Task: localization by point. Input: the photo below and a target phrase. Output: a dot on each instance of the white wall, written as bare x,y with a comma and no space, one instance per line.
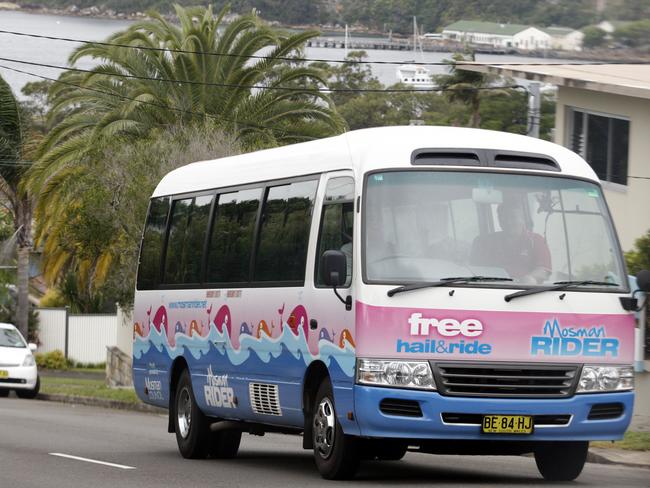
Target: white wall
51,331
88,335
629,203
532,38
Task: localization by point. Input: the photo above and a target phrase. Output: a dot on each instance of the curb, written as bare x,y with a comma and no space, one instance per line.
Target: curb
100,402
598,458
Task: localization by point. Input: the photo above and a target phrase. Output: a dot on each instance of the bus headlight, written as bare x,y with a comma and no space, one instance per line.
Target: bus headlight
606,378
395,373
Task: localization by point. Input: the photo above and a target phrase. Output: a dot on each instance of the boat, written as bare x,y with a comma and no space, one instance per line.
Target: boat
414,75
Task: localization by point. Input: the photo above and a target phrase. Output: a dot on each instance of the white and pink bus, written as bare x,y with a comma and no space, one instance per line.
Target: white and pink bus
442,290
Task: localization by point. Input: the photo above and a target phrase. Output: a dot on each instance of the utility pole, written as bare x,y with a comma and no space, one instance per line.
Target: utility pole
534,109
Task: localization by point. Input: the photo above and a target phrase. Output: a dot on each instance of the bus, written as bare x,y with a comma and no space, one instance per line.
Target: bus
432,289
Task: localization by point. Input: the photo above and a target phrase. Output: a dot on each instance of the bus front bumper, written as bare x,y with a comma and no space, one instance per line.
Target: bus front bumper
445,417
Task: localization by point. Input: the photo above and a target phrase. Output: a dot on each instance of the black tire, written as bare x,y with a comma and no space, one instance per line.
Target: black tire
193,432
387,450
561,461
4,393
224,444
30,394
336,454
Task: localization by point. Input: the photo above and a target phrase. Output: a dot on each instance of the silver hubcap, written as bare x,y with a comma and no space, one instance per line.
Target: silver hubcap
324,428
184,412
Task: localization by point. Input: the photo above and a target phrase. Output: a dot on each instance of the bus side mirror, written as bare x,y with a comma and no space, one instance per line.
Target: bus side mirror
643,280
631,303
334,268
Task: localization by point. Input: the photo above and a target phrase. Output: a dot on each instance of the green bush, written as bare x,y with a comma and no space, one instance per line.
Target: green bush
52,360
81,365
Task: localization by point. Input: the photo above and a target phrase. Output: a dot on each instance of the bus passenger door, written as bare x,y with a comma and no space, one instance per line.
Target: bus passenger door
331,325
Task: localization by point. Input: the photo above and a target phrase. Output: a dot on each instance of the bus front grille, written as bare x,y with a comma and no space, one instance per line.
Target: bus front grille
505,380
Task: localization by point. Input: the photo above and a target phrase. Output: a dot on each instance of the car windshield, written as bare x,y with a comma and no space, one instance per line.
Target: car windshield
423,226
11,338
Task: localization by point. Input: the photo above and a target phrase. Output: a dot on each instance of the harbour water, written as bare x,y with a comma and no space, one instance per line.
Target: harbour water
91,29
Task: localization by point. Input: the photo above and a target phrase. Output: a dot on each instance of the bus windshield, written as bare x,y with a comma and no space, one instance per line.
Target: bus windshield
424,226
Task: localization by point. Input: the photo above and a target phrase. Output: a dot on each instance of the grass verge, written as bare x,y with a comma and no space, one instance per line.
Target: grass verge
633,441
87,388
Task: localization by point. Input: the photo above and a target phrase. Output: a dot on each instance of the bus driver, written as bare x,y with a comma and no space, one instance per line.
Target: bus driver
521,252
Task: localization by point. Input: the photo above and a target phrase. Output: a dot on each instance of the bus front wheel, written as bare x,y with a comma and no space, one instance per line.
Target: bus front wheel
192,428
336,454
561,461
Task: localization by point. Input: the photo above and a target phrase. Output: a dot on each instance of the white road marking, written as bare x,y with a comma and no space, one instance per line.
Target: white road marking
95,461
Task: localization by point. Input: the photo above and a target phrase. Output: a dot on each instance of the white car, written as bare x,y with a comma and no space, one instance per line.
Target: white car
17,364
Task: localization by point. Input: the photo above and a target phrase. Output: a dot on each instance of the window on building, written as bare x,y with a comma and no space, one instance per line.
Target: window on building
337,223
187,230
231,242
152,243
284,232
603,140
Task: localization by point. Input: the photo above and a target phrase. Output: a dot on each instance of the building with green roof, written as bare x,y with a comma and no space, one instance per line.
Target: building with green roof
519,36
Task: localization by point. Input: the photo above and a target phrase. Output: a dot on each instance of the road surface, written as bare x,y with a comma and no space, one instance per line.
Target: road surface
47,444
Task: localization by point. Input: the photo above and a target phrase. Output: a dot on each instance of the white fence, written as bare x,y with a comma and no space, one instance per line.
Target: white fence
84,338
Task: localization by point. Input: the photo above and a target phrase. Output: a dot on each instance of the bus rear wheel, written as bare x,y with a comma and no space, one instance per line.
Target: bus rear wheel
561,461
336,454
192,428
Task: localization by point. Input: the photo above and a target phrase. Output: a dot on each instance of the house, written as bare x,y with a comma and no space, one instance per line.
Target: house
565,38
514,35
497,35
610,26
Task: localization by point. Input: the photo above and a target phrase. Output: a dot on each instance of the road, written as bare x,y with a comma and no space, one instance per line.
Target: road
31,430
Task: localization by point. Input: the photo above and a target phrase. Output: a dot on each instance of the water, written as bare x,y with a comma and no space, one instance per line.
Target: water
58,52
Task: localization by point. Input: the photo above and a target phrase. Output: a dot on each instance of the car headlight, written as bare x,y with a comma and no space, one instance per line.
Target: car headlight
29,360
395,373
606,378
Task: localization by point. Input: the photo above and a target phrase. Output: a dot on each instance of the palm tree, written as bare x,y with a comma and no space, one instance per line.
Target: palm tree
204,75
466,87
14,149
124,94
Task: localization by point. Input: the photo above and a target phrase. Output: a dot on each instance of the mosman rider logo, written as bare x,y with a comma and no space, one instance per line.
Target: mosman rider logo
573,341
217,392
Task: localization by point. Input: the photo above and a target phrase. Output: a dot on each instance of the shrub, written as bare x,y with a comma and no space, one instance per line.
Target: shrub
52,360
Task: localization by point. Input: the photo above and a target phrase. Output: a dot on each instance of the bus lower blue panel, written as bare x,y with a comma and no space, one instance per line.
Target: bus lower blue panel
430,425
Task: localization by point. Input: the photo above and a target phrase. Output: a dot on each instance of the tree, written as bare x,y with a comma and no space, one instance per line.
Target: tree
14,156
634,34
594,37
467,87
639,258
90,232
123,99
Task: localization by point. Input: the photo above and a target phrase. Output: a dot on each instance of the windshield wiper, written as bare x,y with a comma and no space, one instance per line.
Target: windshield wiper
558,285
444,281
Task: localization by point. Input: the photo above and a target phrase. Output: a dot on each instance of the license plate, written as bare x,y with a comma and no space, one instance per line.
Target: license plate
4,373
507,424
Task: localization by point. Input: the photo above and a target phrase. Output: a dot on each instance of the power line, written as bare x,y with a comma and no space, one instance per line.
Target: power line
263,87
305,59
124,97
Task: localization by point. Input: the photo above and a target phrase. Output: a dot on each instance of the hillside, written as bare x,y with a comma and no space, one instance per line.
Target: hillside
396,15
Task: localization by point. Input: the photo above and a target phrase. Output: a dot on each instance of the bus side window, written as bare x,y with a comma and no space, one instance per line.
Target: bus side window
187,230
152,242
284,232
337,223
231,242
